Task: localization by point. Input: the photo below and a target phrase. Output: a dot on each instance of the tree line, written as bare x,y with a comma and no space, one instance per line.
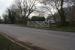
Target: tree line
21,10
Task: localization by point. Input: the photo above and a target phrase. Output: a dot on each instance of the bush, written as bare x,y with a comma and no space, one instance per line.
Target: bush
37,18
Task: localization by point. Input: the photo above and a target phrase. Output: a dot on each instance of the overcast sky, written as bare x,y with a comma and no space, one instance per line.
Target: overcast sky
4,4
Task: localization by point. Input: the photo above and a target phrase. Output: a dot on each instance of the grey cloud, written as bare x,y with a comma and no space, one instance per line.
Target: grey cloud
4,4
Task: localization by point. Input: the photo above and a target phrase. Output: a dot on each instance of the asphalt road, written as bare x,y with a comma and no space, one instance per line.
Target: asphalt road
50,40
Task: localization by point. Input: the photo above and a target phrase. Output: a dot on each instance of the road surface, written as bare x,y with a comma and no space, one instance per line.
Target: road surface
50,40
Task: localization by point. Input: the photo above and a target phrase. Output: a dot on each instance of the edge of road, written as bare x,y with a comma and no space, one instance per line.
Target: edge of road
26,45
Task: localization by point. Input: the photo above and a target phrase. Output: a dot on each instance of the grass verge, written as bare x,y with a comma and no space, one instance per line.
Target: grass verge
55,28
7,44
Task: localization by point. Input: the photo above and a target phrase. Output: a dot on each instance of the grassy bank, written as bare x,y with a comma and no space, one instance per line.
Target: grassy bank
6,44
65,29
55,28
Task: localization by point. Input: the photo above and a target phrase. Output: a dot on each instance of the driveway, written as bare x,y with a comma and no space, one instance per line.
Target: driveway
50,40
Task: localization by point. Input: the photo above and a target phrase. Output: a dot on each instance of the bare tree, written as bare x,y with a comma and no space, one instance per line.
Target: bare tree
26,7
10,16
58,5
61,12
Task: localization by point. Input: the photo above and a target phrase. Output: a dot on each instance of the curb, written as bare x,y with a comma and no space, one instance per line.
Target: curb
14,40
